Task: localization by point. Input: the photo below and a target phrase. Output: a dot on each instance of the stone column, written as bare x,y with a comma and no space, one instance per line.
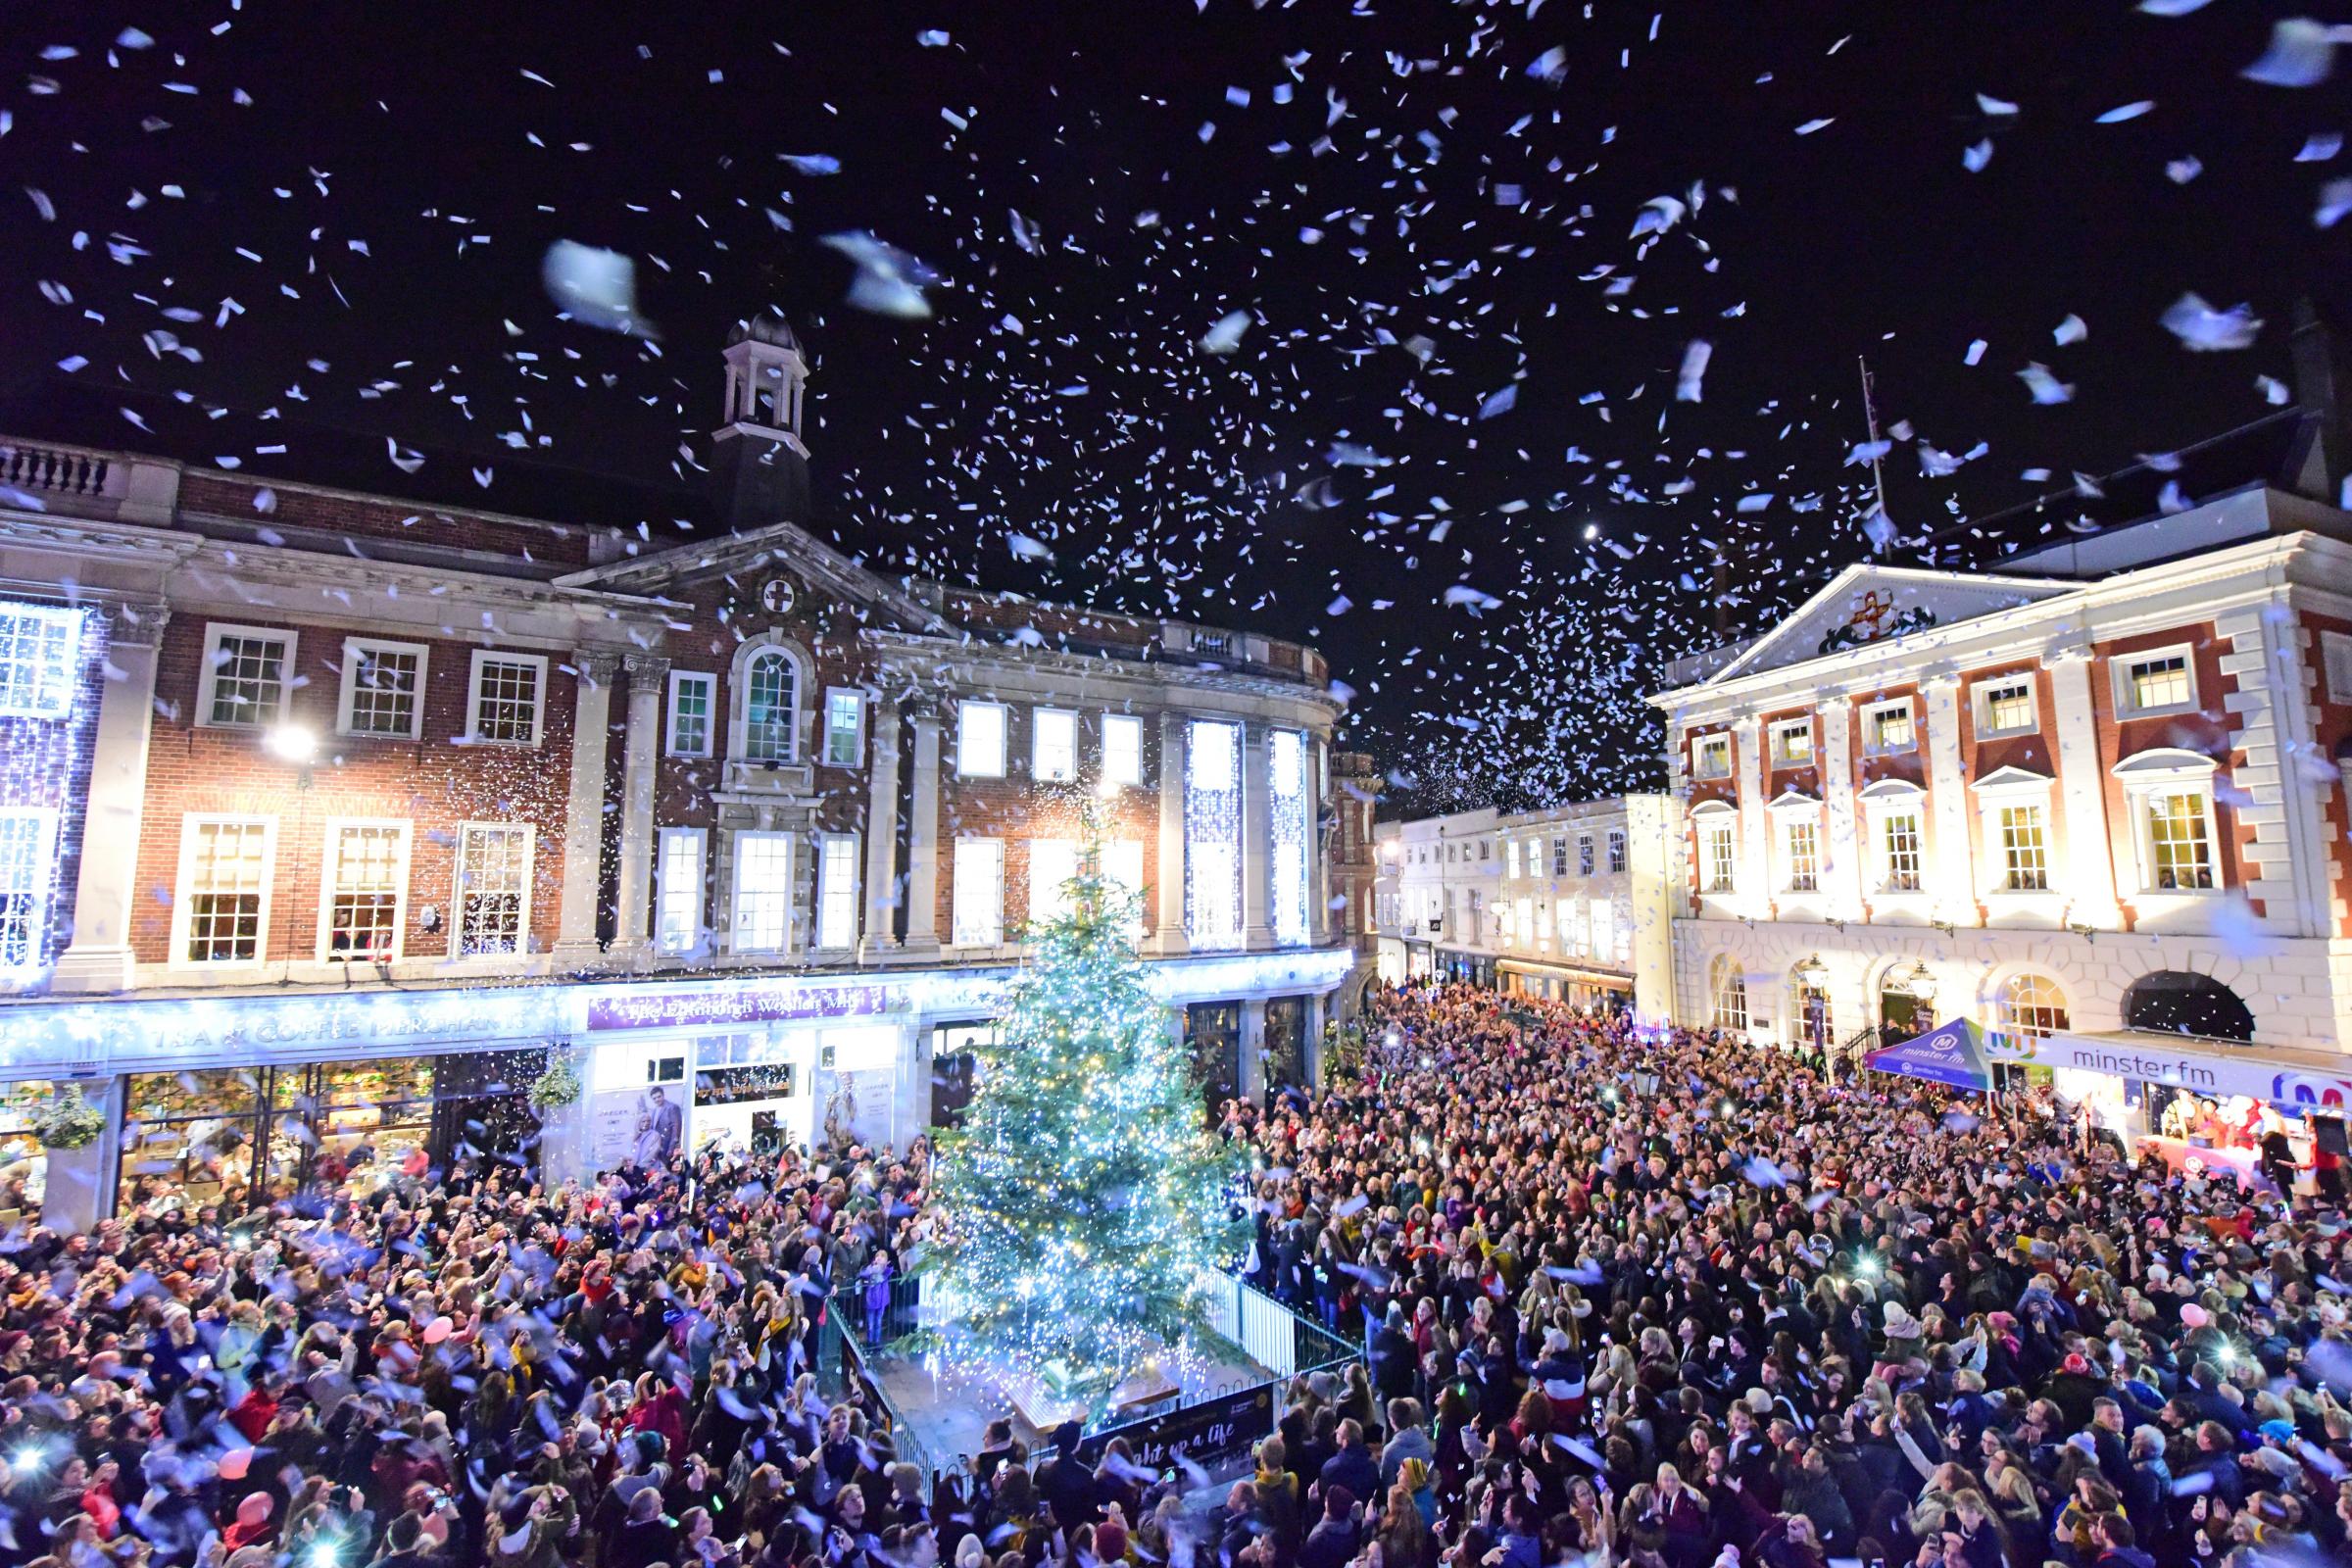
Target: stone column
1169,940
1952,882
106,890
1842,860
922,838
584,813
881,837
1257,834
1754,892
640,745
1319,1008
2089,875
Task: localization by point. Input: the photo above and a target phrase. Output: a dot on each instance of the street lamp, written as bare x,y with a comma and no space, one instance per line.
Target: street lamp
292,742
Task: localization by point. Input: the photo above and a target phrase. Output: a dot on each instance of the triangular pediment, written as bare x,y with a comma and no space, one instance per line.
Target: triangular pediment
1868,603
782,545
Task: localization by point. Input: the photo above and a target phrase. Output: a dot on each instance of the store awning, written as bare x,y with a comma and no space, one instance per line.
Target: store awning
2206,1067
1950,1054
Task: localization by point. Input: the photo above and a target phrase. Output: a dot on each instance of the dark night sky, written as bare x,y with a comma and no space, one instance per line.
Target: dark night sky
1232,488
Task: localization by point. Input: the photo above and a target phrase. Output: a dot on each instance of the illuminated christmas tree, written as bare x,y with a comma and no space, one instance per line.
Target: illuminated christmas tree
1084,1194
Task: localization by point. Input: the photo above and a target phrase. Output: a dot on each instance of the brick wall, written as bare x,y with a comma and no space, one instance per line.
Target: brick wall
433,783
1017,808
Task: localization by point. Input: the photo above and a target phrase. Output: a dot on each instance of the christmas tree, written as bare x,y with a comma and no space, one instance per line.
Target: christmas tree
1083,1194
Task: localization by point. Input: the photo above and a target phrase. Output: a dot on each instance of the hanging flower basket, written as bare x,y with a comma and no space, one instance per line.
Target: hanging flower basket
557,1087
70,1122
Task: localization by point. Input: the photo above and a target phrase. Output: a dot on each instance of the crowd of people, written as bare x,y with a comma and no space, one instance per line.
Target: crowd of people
1675,1302
1665,1302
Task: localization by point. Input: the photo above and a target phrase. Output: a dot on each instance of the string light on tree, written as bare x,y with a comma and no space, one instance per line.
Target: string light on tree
1084,1194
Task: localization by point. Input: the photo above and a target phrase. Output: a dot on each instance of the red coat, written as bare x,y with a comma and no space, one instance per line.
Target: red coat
665,1413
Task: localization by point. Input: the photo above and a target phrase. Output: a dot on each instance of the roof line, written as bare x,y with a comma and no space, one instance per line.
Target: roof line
1953,530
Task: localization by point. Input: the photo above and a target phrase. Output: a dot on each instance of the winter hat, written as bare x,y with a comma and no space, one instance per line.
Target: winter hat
1900,1324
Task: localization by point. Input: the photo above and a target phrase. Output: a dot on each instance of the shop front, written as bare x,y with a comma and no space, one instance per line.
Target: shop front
1466,968
241,1138
1592,991
747,1071
2200,1105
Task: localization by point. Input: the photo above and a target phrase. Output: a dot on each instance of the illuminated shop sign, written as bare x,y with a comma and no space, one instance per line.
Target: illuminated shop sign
674,1009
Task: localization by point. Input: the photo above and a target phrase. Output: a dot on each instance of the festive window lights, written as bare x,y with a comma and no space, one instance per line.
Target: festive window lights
27,855
1286,797
40,660
1212,836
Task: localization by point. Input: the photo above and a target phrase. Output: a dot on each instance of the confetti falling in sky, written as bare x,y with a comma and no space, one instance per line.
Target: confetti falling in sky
1502,350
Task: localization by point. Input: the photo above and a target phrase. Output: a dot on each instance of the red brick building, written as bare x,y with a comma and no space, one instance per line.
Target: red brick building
361,806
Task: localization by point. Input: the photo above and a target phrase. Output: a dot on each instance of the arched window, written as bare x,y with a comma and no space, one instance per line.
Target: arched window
769,697
2028,1007
770,682
1729,988
2176,1001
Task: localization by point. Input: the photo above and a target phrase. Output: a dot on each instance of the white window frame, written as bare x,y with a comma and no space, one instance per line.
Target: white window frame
355,653
1869,728
2012,787
736,892
2164,771
977,919
183,892
330,860
1065,771
968,764
1881,803
1618,856
474,696
829,895
209,678
1706,746
49,686
857,758
739,703
41,863
1787,809
458,890
1130,751
1776,750
670,714
1708,824
2335,665
1979,697
665,937
2120,669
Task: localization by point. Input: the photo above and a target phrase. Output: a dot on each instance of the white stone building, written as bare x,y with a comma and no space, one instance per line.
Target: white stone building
2091,800
1575,905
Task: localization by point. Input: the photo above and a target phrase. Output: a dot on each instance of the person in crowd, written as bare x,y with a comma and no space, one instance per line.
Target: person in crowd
1624,1299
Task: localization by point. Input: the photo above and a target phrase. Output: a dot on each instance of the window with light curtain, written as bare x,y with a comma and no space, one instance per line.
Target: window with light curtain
1291,831
1212,836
